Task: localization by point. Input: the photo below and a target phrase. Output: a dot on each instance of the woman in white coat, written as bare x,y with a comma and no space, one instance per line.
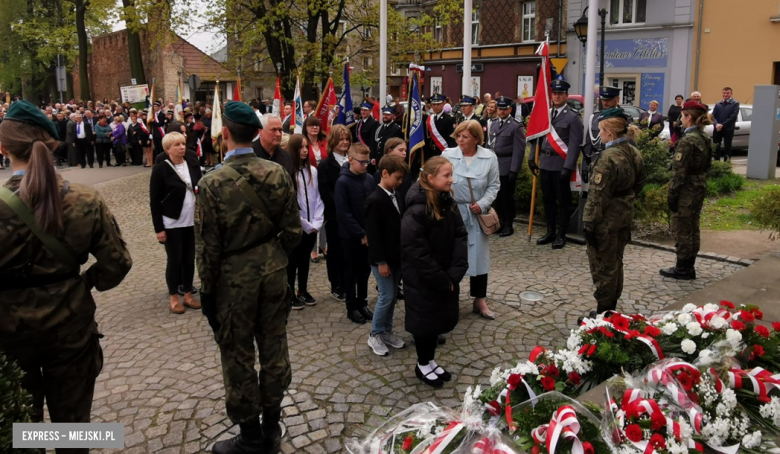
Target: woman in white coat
476,165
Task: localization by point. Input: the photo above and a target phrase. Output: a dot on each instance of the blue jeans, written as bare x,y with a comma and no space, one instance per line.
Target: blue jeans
385,305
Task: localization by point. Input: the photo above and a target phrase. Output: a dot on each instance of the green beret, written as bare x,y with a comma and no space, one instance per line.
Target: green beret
241,114
614,112
25,112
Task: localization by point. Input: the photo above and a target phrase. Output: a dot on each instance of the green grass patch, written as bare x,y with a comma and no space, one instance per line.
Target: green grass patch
732,211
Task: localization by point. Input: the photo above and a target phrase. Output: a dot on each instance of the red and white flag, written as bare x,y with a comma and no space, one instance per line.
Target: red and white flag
277,107
326,107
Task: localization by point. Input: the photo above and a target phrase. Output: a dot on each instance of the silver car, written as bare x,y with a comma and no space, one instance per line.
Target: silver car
741,129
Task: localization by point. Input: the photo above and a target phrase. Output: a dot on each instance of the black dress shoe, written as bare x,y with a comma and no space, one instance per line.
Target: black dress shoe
399,293
441,340
560,242
441,373
356,316
506,232
685,274
429,379
366,313
547,238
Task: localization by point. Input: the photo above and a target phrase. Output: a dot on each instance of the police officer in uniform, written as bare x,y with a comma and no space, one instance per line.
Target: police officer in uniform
467,104
365,129
247,223
386,130
692,157
438,128
592,146
47,231
555,170
617,177
507,140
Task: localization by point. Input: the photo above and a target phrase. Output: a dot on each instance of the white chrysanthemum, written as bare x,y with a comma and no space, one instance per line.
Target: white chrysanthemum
694,329
688,346
729,398
711,307
734,337
575,341
688,308
684,319
669,329
718,322
771,411
705,335
751,440
675,448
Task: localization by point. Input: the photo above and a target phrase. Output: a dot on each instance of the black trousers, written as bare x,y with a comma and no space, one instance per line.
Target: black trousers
557,200
478,286
426,348
85,153
505,203
356,273
136,154
335,260
180,248
120,153
103,152
298,262
157,146
726,136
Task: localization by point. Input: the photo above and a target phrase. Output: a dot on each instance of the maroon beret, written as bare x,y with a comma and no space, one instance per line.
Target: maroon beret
693,105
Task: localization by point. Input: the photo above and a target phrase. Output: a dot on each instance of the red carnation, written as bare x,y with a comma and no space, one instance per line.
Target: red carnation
619,322
552,370
514,380
747,316
494,408
686,381
727,304
632,334
634,433
407,446
592,349
658,421
548,383
758,350
583,349
737,325
652,331
658,442
575,378
535,450
776,326
758,314
587,448
606,331
762,331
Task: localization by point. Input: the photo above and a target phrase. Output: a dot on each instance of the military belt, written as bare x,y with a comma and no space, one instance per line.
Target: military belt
18,282
271,236
550,153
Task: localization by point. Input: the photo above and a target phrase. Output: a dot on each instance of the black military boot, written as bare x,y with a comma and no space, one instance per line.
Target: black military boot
272,433
249,441
560,240
506,231
684,270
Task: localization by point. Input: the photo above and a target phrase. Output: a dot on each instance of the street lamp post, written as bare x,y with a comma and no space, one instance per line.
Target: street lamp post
581,30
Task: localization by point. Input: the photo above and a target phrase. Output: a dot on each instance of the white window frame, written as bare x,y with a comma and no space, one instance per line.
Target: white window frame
621,13
438,32
530,28
367,62
475,26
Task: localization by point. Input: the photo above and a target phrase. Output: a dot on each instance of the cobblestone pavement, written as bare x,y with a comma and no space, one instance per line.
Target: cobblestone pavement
162,377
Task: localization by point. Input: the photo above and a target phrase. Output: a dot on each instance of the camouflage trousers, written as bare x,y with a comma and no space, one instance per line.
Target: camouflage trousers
244,323
606,266
63,371
687,234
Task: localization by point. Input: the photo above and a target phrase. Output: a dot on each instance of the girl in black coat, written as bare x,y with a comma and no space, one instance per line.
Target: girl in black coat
434,253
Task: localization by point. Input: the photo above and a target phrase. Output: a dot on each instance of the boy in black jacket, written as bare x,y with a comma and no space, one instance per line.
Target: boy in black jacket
352,189
383,229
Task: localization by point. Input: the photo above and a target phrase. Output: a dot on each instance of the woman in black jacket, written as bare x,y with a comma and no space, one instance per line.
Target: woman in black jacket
675,127
434,254
172,190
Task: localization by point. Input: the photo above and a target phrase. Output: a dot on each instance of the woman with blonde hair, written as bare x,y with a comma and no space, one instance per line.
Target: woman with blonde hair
617,176
475,183
434,253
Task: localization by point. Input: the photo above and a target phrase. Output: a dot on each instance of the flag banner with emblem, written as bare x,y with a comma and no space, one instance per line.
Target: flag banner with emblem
415,132
325,108
237,90
539,121
277,107
346,112
178,108
216,118
297,108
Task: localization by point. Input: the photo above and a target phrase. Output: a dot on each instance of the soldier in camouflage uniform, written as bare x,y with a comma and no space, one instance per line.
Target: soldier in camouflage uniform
247,223
692,157
617,176
47,314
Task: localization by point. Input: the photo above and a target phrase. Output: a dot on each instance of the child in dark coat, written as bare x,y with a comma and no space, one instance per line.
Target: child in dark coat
434,254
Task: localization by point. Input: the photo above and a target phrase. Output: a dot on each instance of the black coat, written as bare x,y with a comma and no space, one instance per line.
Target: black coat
350,195
280,157
167,191
327,174
383,134
367,131
446,126
383,228
434,255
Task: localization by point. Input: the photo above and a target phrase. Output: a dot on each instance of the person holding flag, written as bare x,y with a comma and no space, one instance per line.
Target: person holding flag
414,123
439,127
558,157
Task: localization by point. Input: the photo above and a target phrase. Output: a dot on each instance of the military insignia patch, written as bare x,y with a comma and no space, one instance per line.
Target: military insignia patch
597,178
678,156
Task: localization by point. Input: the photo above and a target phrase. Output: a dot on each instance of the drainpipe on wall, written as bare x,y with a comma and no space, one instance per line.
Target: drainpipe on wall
698,47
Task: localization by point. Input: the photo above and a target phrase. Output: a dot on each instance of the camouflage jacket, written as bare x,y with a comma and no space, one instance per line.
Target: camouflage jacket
617,176
236,242
692,159
65,306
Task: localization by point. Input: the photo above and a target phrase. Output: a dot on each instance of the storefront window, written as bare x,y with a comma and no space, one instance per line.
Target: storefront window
627,12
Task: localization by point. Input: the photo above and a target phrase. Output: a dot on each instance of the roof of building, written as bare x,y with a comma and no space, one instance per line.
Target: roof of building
198,62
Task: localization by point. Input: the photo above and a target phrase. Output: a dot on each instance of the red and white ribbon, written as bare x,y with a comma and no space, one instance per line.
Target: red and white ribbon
440,142
564,424
704,316
442,441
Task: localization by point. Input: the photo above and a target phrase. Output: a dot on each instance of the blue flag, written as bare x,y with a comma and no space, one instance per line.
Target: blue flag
346,114
416,129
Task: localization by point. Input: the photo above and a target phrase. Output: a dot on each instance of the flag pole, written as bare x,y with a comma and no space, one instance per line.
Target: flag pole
533,194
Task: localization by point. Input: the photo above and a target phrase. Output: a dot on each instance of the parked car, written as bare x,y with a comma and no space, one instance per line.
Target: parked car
634,111
741,129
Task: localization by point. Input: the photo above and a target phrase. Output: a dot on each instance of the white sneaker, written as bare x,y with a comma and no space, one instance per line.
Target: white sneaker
376,344
391,340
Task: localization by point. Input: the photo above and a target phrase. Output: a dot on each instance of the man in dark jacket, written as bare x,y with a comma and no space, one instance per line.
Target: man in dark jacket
365,129
439,128
385,131
267,146
725,115
327,174
507,140
352,189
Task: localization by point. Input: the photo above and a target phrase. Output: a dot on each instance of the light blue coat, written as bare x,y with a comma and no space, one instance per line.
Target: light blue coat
483,173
